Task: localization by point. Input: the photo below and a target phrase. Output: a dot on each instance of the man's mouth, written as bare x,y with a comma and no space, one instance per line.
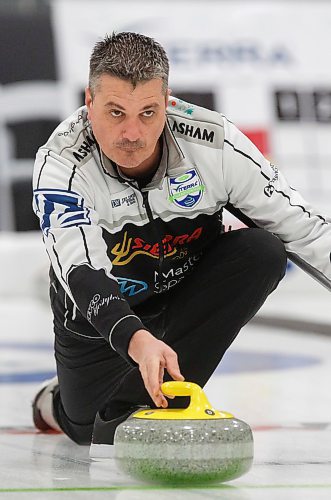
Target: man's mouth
129,149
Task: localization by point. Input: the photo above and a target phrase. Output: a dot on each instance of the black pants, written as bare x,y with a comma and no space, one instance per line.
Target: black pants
199,318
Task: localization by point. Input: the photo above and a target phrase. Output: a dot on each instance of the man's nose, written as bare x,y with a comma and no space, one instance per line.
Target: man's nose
131,130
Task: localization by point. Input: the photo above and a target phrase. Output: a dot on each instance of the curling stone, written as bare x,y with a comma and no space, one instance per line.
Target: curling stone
197,444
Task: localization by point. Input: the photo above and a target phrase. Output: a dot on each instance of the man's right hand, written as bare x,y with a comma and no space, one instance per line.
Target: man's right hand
154,356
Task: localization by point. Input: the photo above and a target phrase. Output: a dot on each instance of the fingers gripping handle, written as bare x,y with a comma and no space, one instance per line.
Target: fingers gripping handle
198,409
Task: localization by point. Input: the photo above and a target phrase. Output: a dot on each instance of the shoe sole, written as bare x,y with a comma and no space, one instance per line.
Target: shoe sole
102,451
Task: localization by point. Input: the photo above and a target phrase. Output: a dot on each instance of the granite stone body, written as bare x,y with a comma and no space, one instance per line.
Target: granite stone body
178,451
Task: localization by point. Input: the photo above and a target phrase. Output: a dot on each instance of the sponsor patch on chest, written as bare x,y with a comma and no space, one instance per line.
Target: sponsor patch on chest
125,199
186,190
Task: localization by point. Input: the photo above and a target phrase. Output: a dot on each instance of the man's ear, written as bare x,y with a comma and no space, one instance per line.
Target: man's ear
88,98
168,93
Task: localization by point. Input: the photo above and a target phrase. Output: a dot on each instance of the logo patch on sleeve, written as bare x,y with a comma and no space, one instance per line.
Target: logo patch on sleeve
131,287
58,208
186,190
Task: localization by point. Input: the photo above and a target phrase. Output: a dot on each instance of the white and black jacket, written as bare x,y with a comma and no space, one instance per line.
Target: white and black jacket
112,245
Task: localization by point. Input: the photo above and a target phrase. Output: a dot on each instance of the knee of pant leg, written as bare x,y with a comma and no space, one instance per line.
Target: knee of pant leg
268,252
80,434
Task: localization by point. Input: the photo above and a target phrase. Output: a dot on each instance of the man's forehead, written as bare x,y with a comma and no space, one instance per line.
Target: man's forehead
118,87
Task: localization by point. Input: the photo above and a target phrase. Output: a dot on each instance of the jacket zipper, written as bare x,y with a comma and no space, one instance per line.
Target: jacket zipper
158,236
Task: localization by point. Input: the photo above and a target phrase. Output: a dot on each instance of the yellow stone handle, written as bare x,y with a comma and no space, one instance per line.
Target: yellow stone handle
198,403
174,388
199,407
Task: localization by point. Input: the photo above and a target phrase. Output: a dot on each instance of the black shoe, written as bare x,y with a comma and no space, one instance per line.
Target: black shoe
104,432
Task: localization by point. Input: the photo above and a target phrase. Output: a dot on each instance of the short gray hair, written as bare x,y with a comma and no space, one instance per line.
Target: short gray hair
131,57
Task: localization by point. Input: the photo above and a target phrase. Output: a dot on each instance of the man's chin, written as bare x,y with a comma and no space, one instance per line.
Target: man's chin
129,161
126,164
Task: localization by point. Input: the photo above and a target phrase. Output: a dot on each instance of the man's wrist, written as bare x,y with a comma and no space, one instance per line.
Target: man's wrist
137,339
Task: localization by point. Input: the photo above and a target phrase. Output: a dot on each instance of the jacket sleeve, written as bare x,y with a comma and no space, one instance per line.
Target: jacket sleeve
259,190
63,201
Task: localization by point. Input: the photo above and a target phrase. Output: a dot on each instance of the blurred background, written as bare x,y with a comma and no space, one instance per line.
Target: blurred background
264,64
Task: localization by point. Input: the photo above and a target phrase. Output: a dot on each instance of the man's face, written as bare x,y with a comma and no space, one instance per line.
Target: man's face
127,122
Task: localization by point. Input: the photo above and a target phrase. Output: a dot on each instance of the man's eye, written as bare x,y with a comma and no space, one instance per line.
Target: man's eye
116,113
148,113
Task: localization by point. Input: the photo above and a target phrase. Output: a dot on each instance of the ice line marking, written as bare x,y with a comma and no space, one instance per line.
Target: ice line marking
156,488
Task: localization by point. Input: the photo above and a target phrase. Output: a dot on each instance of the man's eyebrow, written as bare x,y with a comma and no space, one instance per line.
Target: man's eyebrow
152,105
111,104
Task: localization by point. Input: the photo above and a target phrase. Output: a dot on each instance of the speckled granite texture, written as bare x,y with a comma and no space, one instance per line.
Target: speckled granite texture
180,451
